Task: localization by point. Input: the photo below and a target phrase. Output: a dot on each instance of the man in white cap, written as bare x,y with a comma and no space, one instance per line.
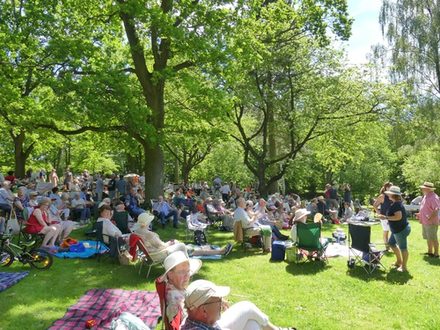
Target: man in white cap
204,304
428,217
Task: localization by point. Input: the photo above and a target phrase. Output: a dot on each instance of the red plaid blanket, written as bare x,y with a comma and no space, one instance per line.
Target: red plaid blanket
103,305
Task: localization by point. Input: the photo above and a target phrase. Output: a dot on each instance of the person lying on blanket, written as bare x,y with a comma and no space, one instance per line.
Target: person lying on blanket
159,249
201,302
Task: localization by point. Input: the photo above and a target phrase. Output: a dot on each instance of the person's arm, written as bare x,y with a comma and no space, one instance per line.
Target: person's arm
377,202
397,216
111,230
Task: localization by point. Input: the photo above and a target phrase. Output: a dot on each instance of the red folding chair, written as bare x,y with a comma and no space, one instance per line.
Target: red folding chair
146,258
161,288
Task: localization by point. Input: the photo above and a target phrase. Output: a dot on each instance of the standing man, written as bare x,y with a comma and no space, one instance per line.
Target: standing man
428,217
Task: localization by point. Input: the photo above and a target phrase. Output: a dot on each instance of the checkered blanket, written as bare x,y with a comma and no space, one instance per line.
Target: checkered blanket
9,279
104,305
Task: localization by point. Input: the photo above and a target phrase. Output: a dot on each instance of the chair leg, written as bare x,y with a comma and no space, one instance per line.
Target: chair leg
149,269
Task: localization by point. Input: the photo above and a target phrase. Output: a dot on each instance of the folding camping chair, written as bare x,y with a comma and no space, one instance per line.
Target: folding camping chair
146,258
198,229
359,241
243,236
161,288
309,239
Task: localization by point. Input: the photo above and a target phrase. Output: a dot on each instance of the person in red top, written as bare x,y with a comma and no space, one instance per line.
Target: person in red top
10,177
39,223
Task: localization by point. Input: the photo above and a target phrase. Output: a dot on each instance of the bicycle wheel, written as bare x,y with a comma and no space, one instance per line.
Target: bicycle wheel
6,258
40,259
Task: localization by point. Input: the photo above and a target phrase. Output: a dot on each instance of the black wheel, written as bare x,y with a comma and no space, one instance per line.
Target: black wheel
6,258
40,259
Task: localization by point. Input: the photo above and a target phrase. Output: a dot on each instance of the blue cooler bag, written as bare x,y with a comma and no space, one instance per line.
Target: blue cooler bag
278,251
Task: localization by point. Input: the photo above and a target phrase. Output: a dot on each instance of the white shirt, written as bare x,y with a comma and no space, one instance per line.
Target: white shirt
109,229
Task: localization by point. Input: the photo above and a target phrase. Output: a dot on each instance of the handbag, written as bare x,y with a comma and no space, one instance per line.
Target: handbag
124,258
12,225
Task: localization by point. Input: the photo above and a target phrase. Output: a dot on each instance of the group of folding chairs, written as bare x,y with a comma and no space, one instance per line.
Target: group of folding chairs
310,246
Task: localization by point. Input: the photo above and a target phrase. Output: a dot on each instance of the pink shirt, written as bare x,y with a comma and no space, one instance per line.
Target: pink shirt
429,204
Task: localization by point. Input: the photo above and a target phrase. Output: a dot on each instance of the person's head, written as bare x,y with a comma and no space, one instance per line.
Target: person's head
203,301
44,203
262,202
427,187
241,202
105,211
320,199
301,215
249,204
119,206
385,187
394,193
21,191
107,201
144,219
33,195
10,172
55,190
179,268
160,198
6,184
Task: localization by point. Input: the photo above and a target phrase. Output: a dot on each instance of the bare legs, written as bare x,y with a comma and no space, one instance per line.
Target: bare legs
50,235
433,247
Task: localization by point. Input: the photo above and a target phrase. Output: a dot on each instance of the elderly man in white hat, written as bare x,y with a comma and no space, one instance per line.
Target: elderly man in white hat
428,217
204,304
178,270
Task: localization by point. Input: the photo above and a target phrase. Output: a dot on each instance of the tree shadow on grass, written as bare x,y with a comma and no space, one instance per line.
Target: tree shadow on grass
306,268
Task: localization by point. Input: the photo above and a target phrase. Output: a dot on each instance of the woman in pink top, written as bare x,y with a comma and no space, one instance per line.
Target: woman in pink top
428,217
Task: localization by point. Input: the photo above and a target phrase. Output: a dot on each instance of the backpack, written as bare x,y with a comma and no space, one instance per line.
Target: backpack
199,237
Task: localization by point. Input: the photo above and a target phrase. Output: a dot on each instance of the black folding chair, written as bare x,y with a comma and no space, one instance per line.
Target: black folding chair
111,243
359,240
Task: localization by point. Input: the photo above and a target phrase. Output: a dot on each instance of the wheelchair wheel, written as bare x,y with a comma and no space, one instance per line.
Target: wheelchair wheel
40,259
6,258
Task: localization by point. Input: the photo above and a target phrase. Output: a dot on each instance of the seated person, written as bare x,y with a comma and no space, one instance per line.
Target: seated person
300,216
348,211
204,303
159,250
21,202
39,223
178,270
224,214
66,226
33,201
121,218
112,236
164,211
264,219
6,197
250,225
321,206
79,206
132,203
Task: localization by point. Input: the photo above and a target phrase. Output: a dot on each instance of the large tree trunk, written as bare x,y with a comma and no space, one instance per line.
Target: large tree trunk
21,153
154,164
272,187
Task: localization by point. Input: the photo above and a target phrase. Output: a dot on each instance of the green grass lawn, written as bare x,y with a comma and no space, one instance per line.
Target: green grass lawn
308,296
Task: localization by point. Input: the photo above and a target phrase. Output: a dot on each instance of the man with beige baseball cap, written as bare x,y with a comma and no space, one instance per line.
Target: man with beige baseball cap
204,304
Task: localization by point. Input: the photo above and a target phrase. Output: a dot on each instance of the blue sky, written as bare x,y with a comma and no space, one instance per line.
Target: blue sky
365,30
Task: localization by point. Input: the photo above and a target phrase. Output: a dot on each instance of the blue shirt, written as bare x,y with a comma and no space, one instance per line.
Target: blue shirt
195,325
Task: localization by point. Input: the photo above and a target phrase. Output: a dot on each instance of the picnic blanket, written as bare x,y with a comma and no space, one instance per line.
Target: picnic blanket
9,279
89,251
103,305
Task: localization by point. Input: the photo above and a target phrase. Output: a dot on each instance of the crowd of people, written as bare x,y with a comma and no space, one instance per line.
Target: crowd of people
54,210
